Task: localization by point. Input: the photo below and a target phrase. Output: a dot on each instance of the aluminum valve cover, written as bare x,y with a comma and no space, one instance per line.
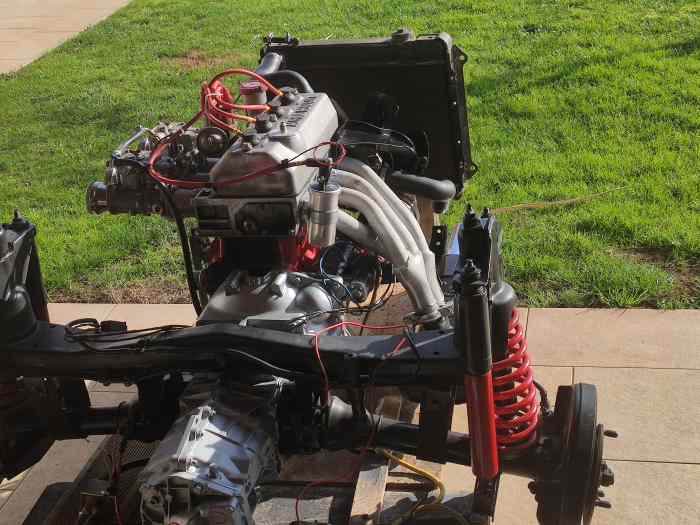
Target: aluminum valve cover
307,119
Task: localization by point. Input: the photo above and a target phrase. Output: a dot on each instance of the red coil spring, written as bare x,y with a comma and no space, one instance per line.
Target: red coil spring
515,394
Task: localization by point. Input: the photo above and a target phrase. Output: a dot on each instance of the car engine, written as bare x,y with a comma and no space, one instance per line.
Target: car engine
306,189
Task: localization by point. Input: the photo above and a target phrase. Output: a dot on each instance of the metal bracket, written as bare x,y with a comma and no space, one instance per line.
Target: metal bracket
435,422
438,240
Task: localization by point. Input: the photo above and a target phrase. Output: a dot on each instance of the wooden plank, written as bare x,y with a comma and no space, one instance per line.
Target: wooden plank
374,471
369,491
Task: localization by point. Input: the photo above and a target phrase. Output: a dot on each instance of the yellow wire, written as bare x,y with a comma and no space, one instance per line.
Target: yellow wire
437,505
432,477
441,507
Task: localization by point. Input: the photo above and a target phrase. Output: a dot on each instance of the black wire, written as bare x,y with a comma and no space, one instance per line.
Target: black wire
74,330
279,371
544,400
186,248
355,310
377,282
381,130
414,348
385,297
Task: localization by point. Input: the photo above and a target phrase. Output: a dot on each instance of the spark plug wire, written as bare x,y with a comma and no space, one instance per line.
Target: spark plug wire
212,94
213,98
246,72
343,324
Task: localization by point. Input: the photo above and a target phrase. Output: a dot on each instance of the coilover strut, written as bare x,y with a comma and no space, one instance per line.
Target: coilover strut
517,406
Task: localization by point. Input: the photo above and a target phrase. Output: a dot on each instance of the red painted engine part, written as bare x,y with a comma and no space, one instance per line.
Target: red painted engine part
517,406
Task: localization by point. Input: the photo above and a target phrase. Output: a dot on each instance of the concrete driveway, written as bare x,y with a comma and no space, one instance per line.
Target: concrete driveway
30,28
645,363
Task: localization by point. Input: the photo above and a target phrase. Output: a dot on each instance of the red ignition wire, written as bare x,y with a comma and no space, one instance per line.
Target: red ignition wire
333,163
216,91
248,73
317,351
158,151
248,107
213,97
352,473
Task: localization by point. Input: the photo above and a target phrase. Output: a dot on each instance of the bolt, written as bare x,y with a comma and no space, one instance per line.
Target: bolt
610,433
607,476
375,162
471,220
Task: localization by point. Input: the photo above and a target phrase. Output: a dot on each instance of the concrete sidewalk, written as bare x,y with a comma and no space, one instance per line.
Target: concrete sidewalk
30,28
645,363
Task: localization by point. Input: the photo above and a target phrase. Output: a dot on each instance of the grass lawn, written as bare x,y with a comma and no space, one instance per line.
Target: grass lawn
567,99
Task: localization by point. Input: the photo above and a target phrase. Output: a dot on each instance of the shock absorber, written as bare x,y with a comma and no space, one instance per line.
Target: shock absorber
517,406
473,340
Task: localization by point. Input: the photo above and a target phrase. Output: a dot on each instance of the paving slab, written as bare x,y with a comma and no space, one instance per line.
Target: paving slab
644,494
57,18
4,496
30,28
106,399
10,64
28,45
62,463
655,412
63,313
623,338
114,388
652,493
12,484
148,315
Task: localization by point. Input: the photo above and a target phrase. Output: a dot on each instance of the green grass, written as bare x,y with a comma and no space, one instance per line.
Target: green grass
566,99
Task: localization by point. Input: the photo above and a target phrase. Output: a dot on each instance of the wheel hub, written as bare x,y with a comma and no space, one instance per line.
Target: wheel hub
568,491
